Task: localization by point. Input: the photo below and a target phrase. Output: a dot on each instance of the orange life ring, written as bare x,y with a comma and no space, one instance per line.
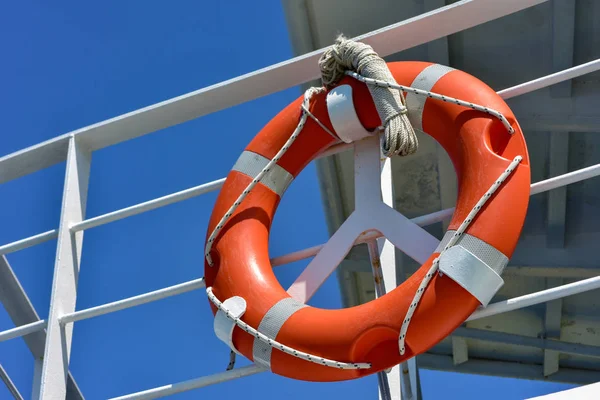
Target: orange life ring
480,148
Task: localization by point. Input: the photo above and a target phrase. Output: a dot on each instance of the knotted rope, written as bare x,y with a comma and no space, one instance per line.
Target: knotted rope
399,136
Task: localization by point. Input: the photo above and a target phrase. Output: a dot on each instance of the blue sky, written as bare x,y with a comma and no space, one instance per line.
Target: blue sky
69,65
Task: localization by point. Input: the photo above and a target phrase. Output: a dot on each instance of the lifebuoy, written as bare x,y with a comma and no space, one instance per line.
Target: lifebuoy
481,149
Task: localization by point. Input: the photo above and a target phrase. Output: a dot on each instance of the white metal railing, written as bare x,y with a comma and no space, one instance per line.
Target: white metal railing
22,330
394,38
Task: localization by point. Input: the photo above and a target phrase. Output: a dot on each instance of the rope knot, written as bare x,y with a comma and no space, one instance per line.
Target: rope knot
399,136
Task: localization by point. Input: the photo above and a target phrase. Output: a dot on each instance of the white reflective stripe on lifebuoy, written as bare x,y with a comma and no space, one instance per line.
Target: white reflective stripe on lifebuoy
482,250
223,325
251,164
473,264
270,326
424,81
470,272
342,114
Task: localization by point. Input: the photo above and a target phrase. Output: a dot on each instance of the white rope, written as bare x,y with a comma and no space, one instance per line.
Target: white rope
487,110
279,346
461,229
305,114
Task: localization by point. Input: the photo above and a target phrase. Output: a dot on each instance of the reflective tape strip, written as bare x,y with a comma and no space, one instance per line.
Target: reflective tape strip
270,326
424,81
342,115
470,272
223,325
250,164
482,250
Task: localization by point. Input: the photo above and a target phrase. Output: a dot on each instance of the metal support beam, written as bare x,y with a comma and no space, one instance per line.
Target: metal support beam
505,368
66,273
563,34
12,388
557,198
460,350
437,50
38,364
520,340
19,307
27,322
382,254
552,324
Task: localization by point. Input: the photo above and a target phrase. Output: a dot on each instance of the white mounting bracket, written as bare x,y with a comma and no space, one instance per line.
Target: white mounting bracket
223,326
370,212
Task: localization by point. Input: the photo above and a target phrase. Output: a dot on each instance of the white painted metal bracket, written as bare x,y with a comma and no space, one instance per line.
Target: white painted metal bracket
224,326
343,115
370,214
471,273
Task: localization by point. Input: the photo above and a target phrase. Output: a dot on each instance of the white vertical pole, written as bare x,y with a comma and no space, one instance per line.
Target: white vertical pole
66,272
387,254
37,377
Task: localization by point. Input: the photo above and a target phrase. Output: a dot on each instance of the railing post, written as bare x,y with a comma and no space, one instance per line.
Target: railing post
66,273
38,363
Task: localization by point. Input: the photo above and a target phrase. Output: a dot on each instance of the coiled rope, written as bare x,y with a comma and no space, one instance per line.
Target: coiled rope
345,55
